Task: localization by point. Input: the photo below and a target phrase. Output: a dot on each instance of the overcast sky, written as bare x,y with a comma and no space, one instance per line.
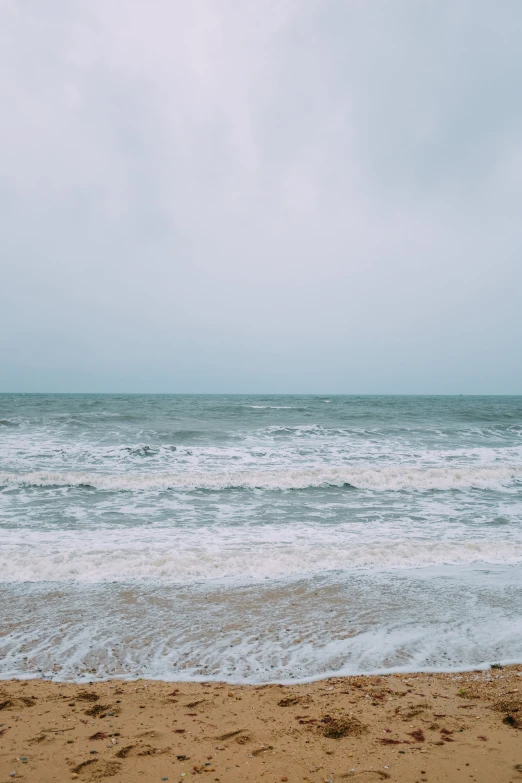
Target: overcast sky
275,195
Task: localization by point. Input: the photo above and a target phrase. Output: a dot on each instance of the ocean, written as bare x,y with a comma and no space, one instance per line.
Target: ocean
258,538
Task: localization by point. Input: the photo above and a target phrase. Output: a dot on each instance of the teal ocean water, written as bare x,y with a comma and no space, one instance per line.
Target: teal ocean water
258,538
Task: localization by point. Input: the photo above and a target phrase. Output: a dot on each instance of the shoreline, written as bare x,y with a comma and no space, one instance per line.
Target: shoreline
415,726
177,677
502,663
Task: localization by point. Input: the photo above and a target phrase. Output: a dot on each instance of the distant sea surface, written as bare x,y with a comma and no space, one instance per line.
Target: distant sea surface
258,538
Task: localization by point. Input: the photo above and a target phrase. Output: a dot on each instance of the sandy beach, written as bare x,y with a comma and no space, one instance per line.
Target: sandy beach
415,727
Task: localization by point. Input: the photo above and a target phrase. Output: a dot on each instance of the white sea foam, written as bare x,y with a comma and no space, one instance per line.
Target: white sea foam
290,631
250,553
403,477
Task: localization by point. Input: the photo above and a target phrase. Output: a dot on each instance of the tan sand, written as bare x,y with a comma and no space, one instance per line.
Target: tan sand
417,727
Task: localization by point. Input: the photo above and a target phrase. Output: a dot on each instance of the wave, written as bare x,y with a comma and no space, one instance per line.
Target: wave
146,450
8,423
193,436
278,407
391,479
302,429
182,556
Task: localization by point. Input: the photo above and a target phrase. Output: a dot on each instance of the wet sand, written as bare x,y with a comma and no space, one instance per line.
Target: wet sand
416,727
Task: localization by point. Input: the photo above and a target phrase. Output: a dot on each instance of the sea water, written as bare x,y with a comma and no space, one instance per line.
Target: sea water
258,538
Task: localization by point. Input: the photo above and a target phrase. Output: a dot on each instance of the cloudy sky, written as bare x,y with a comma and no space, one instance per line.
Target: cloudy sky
286,196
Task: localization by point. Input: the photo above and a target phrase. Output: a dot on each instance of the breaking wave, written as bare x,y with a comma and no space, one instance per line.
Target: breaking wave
181,556
391,479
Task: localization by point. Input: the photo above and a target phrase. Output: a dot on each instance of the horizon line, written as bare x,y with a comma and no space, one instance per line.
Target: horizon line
266,394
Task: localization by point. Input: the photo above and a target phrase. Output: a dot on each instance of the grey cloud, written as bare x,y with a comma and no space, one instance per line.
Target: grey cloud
286,196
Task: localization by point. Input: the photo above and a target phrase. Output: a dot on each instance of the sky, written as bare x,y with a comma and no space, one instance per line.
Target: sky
277,196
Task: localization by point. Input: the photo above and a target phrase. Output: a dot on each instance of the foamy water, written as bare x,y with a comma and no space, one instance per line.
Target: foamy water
391,479
258,538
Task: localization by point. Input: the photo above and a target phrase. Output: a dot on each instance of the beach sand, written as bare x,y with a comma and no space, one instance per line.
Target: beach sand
415,727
